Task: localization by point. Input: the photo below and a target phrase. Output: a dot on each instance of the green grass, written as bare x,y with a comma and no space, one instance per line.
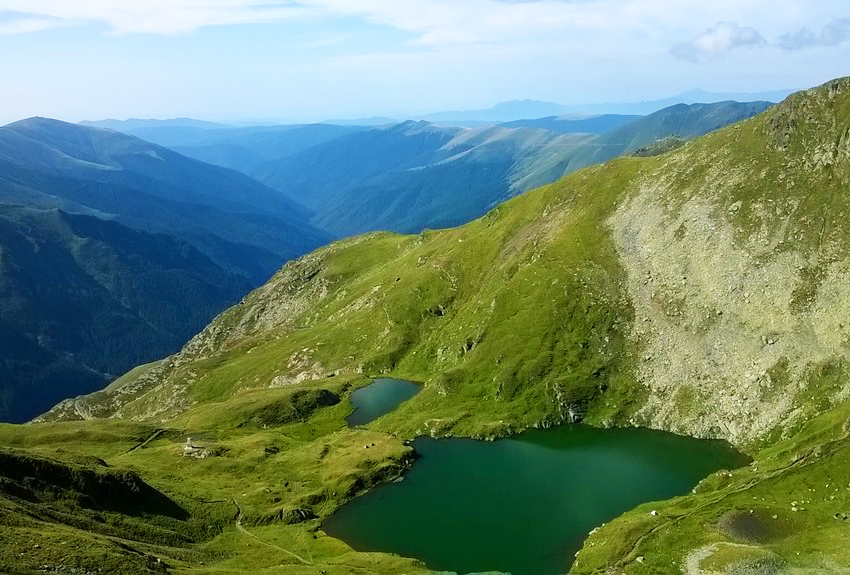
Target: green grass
312,462
807,471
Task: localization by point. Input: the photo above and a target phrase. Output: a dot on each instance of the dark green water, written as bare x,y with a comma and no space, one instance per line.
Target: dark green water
523,505
378,398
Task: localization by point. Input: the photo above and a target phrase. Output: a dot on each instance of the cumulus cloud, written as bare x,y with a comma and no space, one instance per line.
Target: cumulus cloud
717,41
832,34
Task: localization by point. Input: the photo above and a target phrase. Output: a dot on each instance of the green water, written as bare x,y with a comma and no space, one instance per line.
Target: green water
522,505
378,398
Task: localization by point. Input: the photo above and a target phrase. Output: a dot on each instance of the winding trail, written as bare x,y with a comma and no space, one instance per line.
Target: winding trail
244,531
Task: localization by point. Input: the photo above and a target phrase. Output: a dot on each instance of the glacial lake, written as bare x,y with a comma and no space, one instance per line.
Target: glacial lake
522,505
379,398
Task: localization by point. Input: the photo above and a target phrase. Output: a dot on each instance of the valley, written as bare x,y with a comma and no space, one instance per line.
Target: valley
409,176
492,287
63,338
699,291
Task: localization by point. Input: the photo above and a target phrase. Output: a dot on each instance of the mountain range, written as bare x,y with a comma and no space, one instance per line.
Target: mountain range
701,291
115,251
137,195
416,175
238,222
534,109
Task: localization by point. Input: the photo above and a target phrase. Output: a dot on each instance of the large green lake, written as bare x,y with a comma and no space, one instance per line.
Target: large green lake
522,505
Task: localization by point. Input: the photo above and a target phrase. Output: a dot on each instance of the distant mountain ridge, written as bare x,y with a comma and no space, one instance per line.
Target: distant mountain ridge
47,163
501,112
242,149
690,97
136,123
417,175
113,251
600,124
516,110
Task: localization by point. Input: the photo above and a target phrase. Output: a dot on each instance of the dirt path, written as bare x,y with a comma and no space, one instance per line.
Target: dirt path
150,438
244,531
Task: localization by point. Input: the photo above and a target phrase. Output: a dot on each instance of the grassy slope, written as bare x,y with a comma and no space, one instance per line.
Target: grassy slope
275,453
442,307
526,317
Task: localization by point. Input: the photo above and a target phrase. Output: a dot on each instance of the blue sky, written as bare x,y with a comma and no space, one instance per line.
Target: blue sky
316,59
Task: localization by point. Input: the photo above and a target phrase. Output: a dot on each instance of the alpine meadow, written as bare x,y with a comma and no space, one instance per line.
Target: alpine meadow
523,337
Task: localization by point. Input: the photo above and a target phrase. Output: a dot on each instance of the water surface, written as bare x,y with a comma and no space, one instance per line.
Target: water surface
523,505
379,398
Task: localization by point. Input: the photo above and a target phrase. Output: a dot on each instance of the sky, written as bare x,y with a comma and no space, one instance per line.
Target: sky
309,60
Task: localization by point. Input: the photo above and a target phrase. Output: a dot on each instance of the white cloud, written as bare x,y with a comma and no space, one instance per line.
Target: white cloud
166,17
16,23
832,34
717,41
432,21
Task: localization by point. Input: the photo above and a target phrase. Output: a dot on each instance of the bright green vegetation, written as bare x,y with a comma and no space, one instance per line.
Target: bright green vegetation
703,291
121,497
523,505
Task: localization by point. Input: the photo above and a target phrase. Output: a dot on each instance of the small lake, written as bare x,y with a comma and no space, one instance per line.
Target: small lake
524,504
379,398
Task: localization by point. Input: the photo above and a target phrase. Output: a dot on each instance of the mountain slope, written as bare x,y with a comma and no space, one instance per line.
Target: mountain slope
702,291
243,149
172,242
413,176
592,315
566,125
681,121
236,221
83,300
